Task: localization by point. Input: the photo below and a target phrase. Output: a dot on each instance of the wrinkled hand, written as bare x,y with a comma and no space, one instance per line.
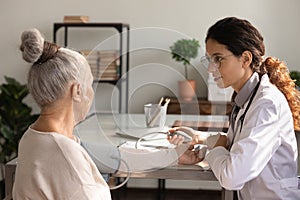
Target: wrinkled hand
188,156
197,136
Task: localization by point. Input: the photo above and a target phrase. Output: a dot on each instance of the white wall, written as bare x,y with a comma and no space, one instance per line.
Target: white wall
154,73
169,19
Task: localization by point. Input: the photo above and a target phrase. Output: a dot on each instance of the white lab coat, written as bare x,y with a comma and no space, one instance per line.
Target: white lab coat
262,162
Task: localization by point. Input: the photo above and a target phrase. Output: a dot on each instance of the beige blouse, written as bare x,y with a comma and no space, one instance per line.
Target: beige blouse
52,166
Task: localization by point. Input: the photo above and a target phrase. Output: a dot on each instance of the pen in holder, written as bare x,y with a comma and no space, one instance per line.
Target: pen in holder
156,114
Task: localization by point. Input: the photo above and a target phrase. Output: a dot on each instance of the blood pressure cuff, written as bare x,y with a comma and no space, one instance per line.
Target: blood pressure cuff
105,156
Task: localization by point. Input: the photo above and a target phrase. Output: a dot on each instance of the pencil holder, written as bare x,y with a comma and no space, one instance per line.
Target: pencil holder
155,115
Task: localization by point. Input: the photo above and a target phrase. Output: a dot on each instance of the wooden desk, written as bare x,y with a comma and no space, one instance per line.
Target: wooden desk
204,125
198,107
103,126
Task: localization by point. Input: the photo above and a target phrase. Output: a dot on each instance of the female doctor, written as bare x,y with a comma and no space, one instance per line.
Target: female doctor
259,157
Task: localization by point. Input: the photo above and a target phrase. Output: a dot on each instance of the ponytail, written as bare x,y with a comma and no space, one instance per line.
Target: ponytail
280,77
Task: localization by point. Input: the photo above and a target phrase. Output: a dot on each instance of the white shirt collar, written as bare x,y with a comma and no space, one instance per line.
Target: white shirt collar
246,91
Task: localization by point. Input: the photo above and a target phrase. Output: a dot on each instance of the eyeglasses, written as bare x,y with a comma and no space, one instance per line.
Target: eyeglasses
215,60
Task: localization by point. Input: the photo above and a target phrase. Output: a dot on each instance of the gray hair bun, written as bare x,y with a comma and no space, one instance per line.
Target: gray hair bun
35,49
32,45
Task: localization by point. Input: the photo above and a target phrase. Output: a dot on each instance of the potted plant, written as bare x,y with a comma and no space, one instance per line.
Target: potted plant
15,117
295,75
183,50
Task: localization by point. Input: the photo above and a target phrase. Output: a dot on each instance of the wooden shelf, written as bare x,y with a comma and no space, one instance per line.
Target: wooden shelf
198,107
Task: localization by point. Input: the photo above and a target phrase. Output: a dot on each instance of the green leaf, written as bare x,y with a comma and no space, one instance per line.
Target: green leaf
15,117
184,50
11,81
295,75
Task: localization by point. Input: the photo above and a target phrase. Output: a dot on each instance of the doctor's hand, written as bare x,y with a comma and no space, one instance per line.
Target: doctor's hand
216,140
176,138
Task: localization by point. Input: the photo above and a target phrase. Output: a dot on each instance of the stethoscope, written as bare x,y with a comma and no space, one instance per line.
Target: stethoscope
242,117
166,133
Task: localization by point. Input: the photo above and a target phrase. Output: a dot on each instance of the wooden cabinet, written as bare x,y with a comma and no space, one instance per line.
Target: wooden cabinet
198,106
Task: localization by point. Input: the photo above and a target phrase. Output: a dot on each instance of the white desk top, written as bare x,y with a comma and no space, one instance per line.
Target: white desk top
99,127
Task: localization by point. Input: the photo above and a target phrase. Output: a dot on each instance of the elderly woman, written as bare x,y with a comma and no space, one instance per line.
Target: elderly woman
51,162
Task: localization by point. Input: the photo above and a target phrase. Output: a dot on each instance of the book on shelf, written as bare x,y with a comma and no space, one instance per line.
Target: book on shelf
100,57
108,52
106,71
101,67
88,53
106,78
104,74
103,55
76,19
104,64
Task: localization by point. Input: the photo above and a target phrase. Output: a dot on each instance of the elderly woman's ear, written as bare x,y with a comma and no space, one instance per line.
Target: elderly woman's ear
76,92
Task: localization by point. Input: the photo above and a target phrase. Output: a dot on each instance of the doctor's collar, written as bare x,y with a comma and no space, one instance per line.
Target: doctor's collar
246,91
